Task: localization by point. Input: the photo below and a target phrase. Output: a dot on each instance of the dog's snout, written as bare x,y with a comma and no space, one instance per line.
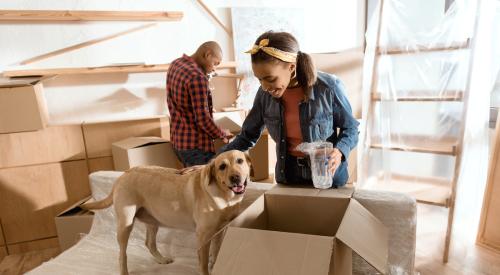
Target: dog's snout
235,178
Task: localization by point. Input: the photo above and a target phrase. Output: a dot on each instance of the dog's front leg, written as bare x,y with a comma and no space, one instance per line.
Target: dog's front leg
203,252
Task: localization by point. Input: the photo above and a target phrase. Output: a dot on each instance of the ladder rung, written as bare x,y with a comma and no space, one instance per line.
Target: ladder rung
418,144
421,96
420,49
429,190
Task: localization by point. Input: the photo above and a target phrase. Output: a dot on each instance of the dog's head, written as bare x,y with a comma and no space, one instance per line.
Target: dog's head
230,171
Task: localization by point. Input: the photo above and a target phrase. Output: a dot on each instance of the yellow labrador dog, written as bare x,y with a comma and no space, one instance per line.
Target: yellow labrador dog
203,201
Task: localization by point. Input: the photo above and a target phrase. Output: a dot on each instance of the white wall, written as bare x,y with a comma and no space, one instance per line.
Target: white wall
74,98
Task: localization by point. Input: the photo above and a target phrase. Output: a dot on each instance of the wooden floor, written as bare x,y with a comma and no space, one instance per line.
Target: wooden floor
465,257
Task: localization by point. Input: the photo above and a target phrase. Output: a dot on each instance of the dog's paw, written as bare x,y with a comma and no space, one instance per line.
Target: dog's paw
163,260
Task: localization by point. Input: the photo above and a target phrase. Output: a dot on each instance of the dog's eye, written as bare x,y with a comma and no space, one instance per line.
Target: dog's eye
239,161
222,166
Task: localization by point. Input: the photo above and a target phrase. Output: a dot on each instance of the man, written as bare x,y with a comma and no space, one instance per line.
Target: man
192,128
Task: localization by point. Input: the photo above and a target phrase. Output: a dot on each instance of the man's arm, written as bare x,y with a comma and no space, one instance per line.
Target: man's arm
199,93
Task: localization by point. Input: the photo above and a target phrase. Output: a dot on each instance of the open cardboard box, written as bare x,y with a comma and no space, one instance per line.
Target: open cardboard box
72,223
259,154
302,231
137,151
22,105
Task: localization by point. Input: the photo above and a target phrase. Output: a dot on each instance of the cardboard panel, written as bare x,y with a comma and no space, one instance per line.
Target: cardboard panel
366,235
100,136
101,164
254,216
311,215
489,233
259,155
341,259
53,144
2,240
22,109
250,251
31,196
348,66
224,92
72,226
3,252
25,247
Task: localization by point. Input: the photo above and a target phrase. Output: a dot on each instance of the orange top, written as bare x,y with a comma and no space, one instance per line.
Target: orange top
291,99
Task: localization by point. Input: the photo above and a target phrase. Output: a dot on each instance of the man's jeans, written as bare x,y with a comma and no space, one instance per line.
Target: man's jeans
194,157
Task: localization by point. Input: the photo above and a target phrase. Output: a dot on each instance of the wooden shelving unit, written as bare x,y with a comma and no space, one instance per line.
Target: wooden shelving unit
69,15
148,68
418,144
423,49
422,96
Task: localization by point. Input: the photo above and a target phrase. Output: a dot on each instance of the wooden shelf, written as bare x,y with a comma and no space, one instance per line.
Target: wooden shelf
418,144
428,190
421,96
423,49
67,15
101,70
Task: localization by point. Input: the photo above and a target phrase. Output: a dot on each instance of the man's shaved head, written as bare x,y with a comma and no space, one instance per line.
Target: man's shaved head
208,56
211,46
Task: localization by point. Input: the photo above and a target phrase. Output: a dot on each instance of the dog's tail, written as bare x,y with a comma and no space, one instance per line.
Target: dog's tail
104,203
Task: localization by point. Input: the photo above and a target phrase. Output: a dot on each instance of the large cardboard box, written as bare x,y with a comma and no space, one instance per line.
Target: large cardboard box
72,223
302,231
259,154
137,151
22,105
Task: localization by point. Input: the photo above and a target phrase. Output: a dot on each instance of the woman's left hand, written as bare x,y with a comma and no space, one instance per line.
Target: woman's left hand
335,158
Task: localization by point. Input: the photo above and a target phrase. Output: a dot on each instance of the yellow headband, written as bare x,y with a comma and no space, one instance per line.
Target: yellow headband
281,55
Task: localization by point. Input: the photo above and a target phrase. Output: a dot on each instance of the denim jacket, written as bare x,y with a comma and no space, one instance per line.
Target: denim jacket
325,109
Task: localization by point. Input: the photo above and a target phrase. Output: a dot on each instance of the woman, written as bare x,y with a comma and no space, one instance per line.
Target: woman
297,104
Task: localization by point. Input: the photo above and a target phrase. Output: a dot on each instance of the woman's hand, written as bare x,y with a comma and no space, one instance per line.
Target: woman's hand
334,160
190,169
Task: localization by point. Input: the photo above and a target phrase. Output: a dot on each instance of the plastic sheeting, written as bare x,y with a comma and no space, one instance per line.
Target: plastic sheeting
425,109
97,252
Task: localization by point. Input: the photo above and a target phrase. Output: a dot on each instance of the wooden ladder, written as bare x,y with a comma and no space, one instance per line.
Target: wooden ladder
429,190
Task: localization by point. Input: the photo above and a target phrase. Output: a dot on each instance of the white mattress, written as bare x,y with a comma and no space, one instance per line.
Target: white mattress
97,252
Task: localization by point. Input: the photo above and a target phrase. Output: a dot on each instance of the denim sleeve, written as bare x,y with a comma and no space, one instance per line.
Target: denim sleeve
343,118
251,130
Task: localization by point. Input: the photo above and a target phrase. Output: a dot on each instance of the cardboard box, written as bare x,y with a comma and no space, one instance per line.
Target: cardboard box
137,151
72,223
22,105
302,231
31,196
259,154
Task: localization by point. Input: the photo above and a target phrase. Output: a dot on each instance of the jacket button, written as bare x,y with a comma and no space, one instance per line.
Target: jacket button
282,171
282,157
282,140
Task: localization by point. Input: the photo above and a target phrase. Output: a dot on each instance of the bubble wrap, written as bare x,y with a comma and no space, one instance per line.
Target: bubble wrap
97,252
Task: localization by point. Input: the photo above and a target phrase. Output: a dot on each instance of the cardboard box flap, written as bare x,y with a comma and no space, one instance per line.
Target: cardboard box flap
250,251
22,81
365,234
135,142
308,191
74,205
227,123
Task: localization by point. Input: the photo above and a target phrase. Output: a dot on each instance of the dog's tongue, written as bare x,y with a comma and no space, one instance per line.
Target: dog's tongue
238,189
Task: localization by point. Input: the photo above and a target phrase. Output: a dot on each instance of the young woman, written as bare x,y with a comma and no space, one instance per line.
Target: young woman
297,104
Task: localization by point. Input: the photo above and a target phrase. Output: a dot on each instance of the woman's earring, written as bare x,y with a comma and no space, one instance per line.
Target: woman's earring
294,74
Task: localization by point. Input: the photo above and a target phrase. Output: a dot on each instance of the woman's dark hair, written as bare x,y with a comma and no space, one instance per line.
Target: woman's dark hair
306,71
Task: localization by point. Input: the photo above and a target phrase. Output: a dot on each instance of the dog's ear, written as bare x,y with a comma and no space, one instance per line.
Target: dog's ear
249,161
207,174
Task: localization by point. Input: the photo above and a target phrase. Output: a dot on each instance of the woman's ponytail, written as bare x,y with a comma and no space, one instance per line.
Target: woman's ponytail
306,71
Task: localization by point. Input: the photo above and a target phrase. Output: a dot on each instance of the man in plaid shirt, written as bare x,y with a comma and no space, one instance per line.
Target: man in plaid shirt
192,128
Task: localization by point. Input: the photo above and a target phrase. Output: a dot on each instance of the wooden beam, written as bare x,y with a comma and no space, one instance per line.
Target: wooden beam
207,9
85,44
67,15
104,69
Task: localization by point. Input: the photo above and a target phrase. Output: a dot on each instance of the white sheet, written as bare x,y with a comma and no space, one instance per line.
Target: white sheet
97,252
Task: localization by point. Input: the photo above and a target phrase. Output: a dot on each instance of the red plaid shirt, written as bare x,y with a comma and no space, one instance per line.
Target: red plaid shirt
190,105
